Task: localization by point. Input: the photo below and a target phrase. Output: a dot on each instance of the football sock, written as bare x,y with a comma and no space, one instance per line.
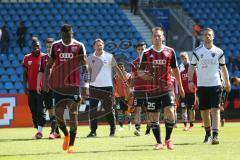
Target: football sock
156,131
169,127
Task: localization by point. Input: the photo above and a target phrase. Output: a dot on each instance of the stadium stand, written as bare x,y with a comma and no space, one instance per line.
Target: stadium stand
44,19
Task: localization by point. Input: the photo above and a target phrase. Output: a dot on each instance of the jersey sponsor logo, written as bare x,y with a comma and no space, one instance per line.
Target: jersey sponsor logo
166,53
208,62
65,56
74,49
184,75
159,62
7,105
29,63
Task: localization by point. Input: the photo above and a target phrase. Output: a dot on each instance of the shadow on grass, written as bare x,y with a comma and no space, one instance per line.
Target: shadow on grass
79,152
107,137
13,140
177,144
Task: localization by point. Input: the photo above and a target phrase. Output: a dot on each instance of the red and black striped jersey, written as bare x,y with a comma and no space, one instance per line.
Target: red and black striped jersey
65,74
43,63
184,77
158,64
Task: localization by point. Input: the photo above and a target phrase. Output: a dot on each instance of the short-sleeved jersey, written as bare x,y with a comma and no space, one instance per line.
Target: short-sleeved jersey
184,77
32,64
158,64
208,62
119,85
101,68
65,74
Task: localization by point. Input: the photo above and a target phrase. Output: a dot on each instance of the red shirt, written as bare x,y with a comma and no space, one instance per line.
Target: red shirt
158,64
184,77
65,75
32,64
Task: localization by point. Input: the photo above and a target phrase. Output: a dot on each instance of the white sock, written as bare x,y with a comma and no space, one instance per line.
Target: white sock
40,129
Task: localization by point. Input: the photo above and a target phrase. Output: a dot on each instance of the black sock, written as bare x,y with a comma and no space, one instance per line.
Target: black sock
120,120
73,134
191,124
169,128
53,124
148,129
64,130
57,130
215,133
208,131
137,127
185,124
156,131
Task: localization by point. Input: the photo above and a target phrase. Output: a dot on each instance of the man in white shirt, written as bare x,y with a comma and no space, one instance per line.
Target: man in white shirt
209,59
101,65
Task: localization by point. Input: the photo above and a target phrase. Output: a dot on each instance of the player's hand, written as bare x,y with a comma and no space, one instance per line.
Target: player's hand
38,89
182,93
85,92
45,87
191,86
227,87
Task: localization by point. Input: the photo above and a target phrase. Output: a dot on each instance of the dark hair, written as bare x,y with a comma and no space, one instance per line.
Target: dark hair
66,28
140,44
158,28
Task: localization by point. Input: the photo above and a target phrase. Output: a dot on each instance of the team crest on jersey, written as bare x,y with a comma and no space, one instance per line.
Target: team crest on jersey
166,53
201,55
93,61
213,54
74,49
29,62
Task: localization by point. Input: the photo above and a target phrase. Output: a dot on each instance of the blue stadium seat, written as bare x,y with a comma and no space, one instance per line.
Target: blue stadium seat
2,71
5,78
14,78
19,70
3,91
18,85
6,64
12,91
8,85
10,71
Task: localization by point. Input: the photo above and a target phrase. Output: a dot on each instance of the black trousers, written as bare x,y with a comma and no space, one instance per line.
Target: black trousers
134,6
35,102
104,96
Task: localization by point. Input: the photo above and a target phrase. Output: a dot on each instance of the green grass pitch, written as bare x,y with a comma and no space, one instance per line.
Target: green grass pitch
16,144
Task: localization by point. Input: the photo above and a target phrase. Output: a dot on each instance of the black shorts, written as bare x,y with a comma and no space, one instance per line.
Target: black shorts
121,104
57,98
188,101
209,97
139,102
156,103
48,99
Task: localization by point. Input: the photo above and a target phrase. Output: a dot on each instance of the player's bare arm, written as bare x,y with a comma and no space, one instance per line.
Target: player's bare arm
39,77
225,77
176,74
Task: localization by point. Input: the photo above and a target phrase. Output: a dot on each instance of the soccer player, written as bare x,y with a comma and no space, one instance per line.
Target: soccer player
138,85
31,64
208,59
155,67
47,96
187,103
120,96
101,65
66,55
